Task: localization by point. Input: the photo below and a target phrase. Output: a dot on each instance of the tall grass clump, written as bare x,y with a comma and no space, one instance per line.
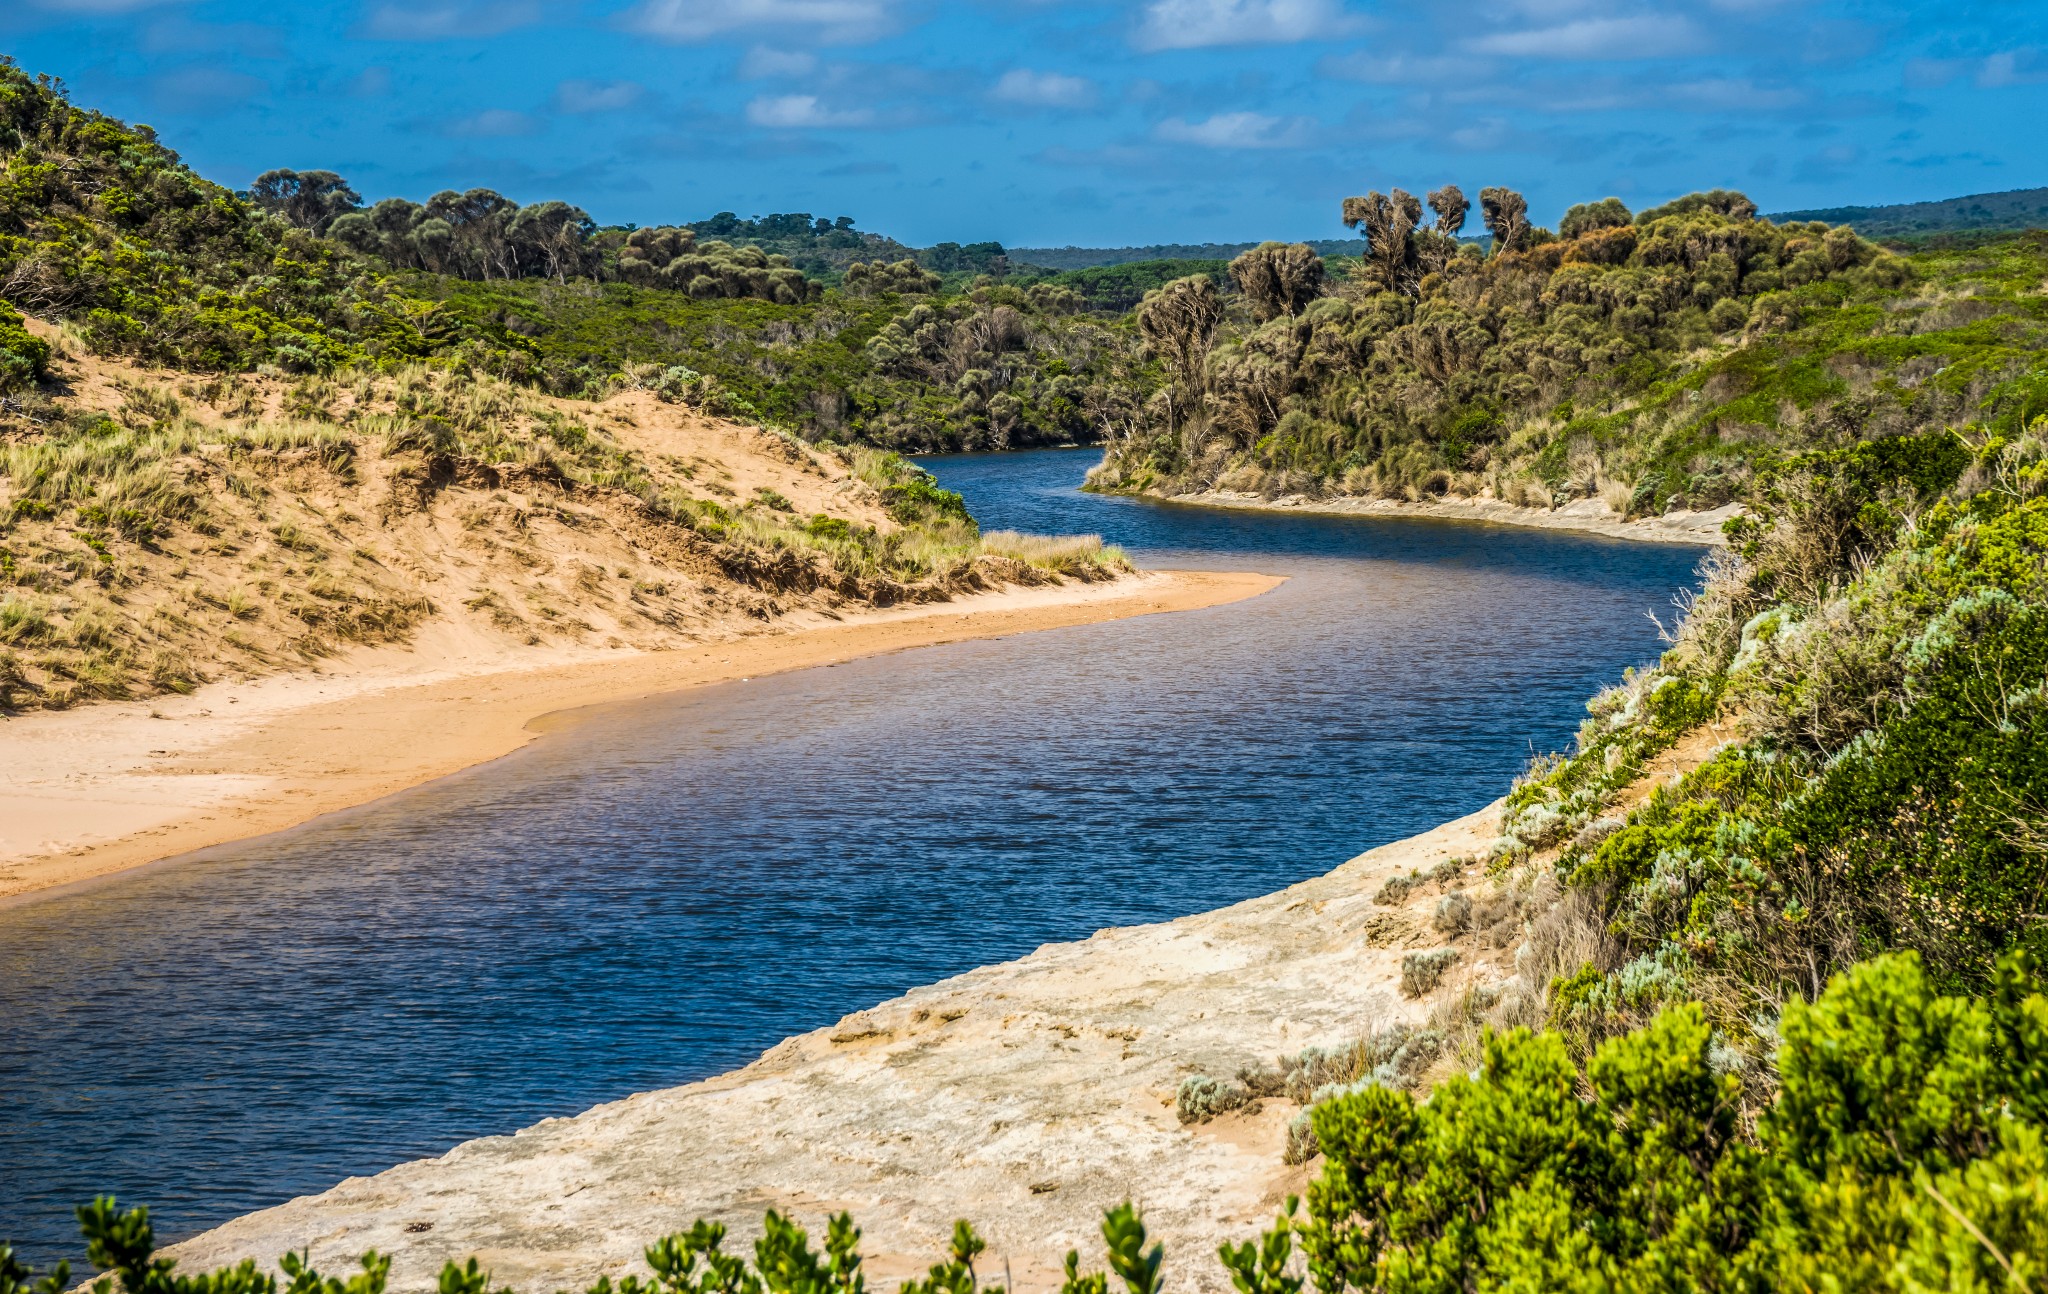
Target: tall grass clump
94,461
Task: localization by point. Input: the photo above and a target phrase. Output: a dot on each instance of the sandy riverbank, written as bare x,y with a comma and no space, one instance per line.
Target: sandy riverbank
89,792
1589,516
1027,1096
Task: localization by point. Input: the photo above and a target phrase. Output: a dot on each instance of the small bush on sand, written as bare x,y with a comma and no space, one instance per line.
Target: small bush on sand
1422,972
1453,914
1397,889
1202,1098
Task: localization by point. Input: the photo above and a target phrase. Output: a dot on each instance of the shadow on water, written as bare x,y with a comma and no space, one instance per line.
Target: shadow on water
660,891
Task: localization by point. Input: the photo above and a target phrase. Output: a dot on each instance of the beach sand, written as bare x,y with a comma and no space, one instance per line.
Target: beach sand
89,792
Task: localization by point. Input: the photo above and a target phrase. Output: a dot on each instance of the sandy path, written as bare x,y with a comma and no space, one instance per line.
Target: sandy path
89,792
1027,1096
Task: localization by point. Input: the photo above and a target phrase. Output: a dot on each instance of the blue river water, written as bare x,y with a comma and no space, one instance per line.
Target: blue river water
659,892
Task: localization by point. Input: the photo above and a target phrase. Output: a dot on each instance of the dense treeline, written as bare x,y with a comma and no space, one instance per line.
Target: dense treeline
482,234
103,226
1083,258
1553,367
886,360
1904,1151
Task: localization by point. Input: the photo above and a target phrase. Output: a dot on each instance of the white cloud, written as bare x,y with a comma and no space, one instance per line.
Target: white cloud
1194,24
801,112
1636,36
100,6
597,96
1487,135
449,19
1401,69
2013,67
1735,94
1043,89
1237,130
763,63
836,21
492,123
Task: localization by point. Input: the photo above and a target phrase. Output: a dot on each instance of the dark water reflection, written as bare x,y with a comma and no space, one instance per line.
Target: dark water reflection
664,890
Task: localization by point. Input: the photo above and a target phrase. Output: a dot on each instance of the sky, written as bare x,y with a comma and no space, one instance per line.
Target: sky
1054,122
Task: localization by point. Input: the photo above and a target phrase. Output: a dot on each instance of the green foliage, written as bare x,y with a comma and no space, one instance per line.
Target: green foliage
1267,1267
911,494
1652,362
993,366
101,224
1115,289
123,1244
1138,1267
24,357
1889,1161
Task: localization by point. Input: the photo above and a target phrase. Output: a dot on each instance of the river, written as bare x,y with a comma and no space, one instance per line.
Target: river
658,892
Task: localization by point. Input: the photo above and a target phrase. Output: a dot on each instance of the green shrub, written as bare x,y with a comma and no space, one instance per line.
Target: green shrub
123,1245
1421,972
24,357
1904,1152
1201,1098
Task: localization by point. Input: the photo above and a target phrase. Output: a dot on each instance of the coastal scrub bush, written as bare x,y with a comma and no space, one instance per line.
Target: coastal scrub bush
1396,890
1880,648
24,357
1421,972
1904,1151
1453,915
1201,1098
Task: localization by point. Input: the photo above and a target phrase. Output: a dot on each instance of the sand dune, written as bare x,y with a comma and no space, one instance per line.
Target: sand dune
93,791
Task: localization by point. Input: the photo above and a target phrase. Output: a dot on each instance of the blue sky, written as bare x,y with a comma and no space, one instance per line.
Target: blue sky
1071,121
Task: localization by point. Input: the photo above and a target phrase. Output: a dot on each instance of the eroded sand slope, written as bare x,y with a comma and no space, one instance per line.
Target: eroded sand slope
1027,1096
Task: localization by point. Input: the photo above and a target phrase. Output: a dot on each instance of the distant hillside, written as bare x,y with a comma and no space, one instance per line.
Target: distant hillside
2013,209
1116,288
1085,258
824,248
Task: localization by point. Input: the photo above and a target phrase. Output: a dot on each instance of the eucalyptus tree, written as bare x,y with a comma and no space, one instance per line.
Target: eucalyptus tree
1178,322
309,199
1451,207
1608,213
554,233
1278,278
477,221
1506,214
1389,223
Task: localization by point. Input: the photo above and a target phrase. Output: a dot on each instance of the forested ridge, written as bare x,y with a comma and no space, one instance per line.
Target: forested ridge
230,443
104,227
1774,1018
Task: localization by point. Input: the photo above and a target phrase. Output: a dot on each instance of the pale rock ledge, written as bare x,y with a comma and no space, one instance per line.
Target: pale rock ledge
1026,1096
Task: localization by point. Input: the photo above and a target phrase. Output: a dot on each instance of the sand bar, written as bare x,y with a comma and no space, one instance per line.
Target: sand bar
1586,516
89,792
